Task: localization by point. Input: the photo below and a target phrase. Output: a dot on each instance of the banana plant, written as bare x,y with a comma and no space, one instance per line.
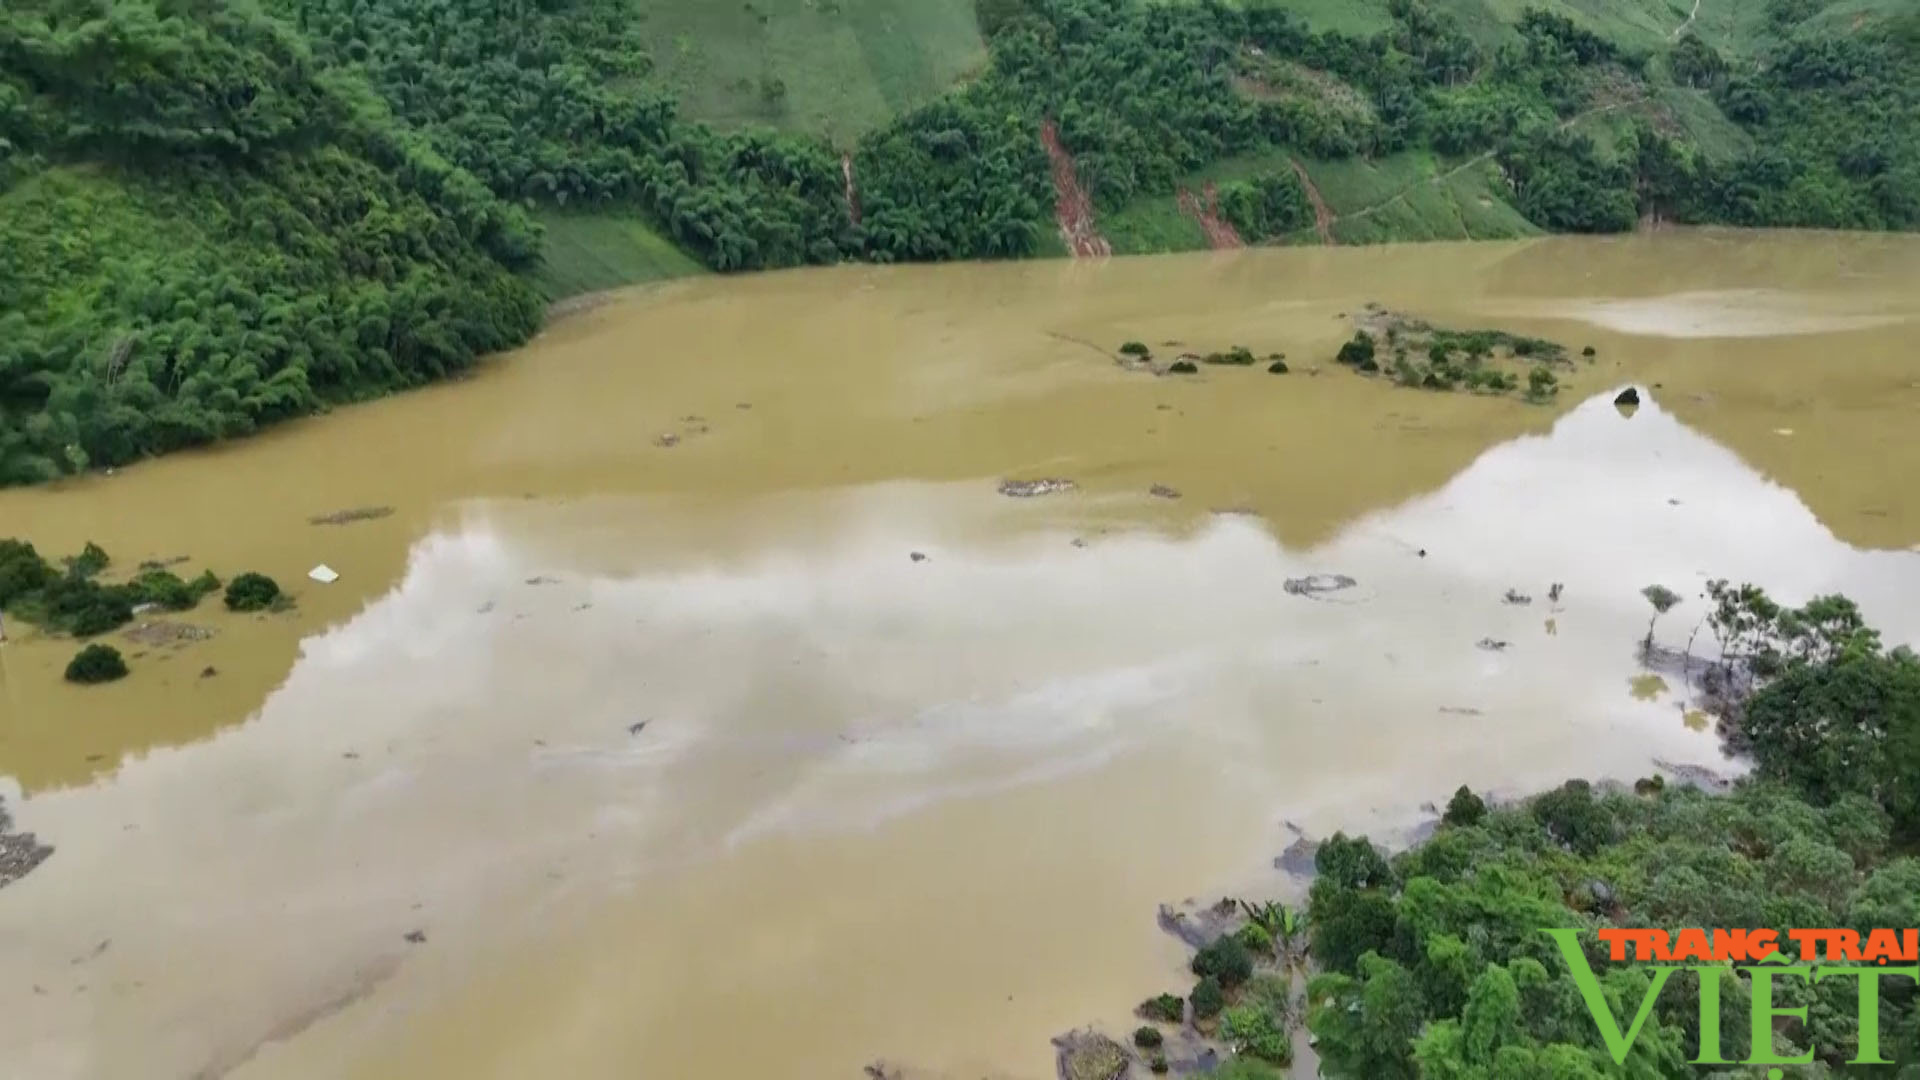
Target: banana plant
1287,926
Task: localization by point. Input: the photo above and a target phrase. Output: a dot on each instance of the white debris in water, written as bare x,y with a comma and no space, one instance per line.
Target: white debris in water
323,574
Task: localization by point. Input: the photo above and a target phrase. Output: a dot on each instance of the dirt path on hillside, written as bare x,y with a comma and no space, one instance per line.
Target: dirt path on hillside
1322,213
1072,208
1205,209
1690,17
1477,159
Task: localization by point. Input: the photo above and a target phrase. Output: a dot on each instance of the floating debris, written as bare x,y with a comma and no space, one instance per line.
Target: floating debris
1460,710
1553,594
416,937
20,853
1315,584
324,574
349,516
917,556
1492,644
169,634
636,727
1517,598
1027,489
667,441
1162,491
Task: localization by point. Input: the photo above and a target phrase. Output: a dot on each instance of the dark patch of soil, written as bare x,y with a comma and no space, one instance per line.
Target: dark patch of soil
1072,207
1205,209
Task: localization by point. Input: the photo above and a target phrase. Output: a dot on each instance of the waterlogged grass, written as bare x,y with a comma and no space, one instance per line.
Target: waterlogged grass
590,251
846,66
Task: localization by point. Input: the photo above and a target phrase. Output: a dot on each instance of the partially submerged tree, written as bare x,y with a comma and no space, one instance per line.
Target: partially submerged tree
1663,600
96,664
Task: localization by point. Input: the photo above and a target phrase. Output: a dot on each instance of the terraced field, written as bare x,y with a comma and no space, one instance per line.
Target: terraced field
838,67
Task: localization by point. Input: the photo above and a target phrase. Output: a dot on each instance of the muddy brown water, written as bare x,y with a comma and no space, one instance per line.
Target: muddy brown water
878,807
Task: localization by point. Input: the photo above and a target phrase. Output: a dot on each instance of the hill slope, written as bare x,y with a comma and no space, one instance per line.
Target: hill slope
226,216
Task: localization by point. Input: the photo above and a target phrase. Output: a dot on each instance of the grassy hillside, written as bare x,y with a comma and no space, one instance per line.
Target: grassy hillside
587,251
839,68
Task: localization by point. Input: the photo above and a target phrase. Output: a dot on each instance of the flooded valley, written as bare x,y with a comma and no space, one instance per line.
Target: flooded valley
703,709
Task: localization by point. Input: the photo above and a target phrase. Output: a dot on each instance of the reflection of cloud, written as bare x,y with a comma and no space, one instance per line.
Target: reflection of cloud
1743,313
826,682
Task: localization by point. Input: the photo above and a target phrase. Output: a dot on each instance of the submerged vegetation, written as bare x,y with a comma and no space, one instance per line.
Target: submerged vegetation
74,601
1426,357
96,664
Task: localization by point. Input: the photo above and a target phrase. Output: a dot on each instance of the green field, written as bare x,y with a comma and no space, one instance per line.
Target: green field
847,66
1149,225
587,252
1637,24
1719,138
1414,196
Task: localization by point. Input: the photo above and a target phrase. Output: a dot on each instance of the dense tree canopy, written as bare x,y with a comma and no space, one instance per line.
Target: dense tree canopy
1434,964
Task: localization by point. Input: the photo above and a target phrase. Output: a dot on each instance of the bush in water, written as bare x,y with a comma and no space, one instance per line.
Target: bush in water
252,592
96,664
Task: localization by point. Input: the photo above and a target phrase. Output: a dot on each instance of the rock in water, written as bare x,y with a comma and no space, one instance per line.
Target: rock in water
20,853
1027,489
1314,584
1087,1055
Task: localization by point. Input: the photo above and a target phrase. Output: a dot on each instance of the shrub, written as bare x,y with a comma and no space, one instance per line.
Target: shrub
1146,1038
1278,367
1588,352
1572,817
166,589
82,607
1157,1064
1256,939
1208,998
1357,353
1541,383
22,570
252,592
1136,348
1255,1032
96,664
1183,367
1465,808
1225,959
1166,1008
91,560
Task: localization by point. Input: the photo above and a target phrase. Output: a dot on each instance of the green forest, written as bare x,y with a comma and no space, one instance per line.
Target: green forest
218,214
1433,963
